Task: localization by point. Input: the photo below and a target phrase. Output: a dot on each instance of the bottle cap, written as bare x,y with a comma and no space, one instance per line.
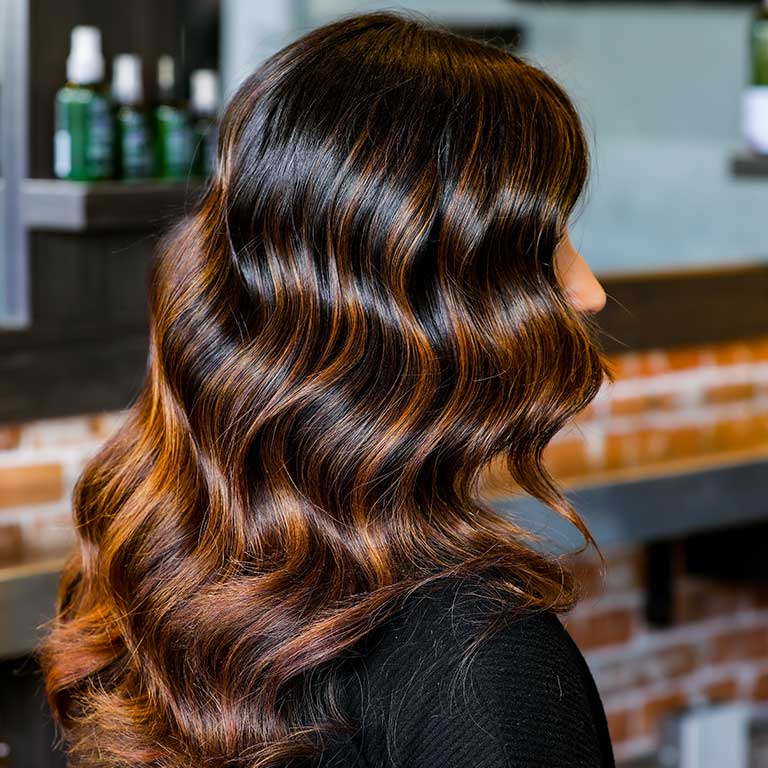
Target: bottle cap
127,87
204,91
85,63
166,74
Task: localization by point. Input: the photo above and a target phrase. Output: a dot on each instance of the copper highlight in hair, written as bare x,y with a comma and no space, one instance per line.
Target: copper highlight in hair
358,316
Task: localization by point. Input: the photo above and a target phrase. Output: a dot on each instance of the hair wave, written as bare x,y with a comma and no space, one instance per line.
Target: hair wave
359,315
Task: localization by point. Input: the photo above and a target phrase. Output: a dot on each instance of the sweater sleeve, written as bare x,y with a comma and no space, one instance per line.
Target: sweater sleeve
522,701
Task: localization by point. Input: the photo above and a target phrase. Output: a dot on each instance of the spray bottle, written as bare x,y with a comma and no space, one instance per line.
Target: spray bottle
204,102
134,148
171,125
83,146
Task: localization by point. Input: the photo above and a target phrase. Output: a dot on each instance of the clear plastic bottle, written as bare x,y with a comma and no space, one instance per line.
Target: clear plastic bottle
204,104
134,144
84,134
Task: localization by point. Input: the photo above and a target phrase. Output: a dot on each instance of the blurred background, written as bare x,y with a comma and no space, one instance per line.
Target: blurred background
108,119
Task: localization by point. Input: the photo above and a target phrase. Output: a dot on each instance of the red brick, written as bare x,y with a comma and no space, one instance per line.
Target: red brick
741,644
684,357
31,484
627,365
659,707
759,349
645,446
684,441
629,449
760,688
566,458
728,393
606,627
632,406
739,433
620,724
10,434
726,689
630,365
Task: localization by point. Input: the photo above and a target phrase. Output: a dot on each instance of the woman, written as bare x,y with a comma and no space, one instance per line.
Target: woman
283,558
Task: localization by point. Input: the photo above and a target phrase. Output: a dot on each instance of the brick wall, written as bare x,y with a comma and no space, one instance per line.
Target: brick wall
666,409
716,650
671,406
39,463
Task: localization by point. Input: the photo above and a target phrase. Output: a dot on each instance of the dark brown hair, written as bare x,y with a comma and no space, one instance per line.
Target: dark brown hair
356,318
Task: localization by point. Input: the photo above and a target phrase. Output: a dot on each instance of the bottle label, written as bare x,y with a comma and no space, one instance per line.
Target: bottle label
62,153
173,142
134,146
99,139
176,146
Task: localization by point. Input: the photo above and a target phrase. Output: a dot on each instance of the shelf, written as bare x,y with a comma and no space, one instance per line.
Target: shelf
661,507
630,512
78,206
27,598
749,164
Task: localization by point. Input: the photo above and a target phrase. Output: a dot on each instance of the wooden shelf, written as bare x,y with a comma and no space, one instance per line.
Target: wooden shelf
749,164
79,206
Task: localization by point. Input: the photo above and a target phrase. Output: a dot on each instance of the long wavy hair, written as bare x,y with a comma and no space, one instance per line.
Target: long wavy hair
356,317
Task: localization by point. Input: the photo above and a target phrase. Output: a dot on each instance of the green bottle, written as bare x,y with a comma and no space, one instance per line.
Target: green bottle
759,45
83,145
171,125
134,142
204,103
755,97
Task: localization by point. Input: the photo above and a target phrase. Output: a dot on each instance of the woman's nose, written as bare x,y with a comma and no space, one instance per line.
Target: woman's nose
581,286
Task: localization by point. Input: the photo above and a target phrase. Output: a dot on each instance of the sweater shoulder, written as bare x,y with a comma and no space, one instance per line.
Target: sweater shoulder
441,677
451,615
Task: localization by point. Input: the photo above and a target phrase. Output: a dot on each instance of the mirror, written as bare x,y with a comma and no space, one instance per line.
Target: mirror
659,89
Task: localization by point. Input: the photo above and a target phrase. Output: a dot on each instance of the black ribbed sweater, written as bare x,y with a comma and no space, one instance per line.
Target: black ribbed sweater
527,701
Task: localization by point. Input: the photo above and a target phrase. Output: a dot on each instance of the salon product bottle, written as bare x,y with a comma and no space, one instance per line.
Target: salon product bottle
134,142
171,124
204,102
83,144
755,99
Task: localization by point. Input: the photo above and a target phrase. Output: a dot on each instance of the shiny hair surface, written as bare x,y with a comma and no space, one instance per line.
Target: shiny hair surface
358,315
